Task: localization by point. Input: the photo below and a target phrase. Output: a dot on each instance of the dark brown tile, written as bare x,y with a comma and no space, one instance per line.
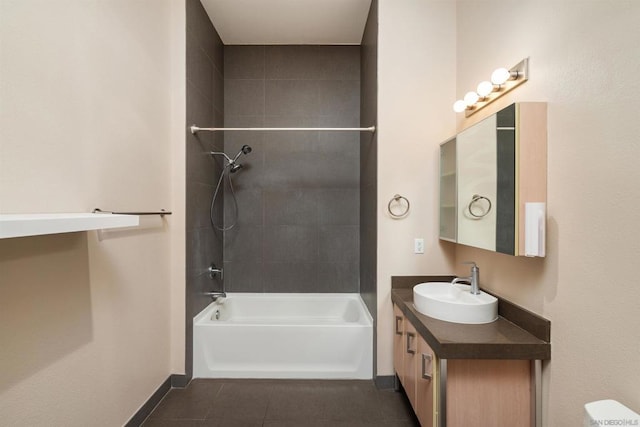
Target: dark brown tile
243,276
204,246
283,403
183,404
335,171
207,37
295,169
292,121
292,62
251,176
338,277
291,98
339,62
199,67
290,207
244,62
246,401
338,97
298,277
244,97
339,244
394,405
290,243
218,121
199,113
244,243
217,95
305,86
201,167
338,206
296,402
222,422
199,197
205,387
158,422
250,206
353,407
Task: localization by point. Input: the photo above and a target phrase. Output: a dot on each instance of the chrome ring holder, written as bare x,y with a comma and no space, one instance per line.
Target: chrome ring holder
476,199
398,200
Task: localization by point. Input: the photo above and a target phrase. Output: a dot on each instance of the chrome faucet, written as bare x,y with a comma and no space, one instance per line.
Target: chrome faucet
215,295
473,280
213,273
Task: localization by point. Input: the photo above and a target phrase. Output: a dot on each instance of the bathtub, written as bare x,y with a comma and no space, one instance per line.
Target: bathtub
253,335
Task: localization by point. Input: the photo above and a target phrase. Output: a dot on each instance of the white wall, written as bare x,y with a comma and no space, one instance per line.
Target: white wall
581,56
416,77
91,112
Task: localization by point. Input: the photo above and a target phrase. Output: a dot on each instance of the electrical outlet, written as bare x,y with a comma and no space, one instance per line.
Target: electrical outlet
418,246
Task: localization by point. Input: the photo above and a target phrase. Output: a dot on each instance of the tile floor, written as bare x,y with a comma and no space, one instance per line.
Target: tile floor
281,403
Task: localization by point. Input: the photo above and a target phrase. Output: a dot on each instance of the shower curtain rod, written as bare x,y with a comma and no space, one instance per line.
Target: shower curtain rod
195,129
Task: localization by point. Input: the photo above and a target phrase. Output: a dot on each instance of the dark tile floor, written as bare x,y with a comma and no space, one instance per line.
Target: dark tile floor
282,403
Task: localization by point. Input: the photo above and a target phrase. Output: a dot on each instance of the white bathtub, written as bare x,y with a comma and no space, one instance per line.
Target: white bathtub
251,335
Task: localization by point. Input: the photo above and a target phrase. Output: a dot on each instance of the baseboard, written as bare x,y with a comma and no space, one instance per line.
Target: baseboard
144,411
384,382
180,380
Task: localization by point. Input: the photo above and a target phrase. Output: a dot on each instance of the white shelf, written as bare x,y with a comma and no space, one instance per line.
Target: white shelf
22,225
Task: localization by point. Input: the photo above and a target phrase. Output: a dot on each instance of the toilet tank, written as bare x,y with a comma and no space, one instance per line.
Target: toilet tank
609,413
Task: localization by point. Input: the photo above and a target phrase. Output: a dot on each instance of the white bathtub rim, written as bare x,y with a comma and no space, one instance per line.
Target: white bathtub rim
208,310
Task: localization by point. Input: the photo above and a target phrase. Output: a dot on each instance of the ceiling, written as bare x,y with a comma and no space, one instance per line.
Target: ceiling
288,21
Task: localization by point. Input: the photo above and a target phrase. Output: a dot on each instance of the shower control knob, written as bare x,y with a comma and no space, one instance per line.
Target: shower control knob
215,272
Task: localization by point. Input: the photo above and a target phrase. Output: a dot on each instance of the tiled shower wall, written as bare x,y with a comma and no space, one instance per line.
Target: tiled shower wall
369,166
205,107
298,225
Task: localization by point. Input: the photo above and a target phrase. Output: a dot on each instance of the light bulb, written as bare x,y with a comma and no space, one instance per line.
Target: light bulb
499,76
459,106
484,89
471,98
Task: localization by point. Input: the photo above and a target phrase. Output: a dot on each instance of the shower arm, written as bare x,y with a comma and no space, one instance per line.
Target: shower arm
219,153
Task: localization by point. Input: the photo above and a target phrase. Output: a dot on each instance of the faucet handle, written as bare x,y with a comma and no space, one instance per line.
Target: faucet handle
215,271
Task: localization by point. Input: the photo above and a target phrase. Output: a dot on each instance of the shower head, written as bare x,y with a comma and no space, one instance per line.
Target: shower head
236,167
244,150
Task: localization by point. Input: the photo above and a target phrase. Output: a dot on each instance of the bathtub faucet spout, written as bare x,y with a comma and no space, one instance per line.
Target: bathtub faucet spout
215,295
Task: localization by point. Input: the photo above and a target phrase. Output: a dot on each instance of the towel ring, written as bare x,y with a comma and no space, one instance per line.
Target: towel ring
475,199
398,199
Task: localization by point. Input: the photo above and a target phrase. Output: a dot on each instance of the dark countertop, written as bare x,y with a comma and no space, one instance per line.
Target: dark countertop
502,339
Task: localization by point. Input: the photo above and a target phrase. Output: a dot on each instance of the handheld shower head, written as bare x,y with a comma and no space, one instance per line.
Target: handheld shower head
244,150
236,167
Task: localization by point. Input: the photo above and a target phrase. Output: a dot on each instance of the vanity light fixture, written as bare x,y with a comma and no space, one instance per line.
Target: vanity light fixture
502,81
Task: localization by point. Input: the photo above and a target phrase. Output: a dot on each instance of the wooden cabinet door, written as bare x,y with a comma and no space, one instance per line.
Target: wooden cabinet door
410,362
398,342
425,384
494,393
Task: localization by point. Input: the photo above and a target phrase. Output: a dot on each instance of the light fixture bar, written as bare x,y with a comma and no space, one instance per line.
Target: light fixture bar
518,74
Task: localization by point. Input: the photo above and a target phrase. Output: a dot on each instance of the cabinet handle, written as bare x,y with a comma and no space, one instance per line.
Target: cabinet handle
409,336
398,319
426,357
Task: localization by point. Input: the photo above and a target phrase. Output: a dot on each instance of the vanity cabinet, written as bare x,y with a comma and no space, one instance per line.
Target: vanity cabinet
461,392
398,343
413,362
425,385
499,165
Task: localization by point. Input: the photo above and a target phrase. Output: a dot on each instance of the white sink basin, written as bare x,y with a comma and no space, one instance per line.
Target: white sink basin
454,303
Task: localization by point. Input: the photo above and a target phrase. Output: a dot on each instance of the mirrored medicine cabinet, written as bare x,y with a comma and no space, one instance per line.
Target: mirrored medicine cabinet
487,174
